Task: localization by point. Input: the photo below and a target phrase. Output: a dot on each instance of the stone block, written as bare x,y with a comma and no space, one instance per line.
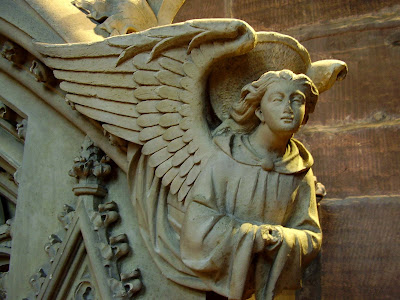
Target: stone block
197,9
361,251
368,93
363,161
279,15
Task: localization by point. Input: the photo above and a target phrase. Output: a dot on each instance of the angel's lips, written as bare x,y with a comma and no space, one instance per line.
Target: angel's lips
287,118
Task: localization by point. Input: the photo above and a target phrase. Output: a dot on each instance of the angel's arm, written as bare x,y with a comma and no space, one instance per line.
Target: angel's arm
218,247
222,248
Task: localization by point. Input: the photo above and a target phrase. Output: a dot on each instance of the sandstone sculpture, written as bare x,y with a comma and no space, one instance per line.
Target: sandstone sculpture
224,196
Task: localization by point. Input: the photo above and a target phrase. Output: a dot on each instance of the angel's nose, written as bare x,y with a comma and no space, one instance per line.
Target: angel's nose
288,107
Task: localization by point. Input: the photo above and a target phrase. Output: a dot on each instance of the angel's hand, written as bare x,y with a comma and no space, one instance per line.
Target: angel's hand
272,236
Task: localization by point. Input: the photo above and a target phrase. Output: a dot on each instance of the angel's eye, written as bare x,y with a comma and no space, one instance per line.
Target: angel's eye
298,99
277,99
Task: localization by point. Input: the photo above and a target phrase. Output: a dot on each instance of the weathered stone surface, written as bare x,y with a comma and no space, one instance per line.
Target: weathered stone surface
361,249
279,15
368,93
358,121
196,9
356,162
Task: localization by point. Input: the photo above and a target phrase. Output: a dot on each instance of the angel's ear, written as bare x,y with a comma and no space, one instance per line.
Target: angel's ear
259,114
305,119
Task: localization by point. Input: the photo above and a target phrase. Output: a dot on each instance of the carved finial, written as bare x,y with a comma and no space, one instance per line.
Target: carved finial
92,165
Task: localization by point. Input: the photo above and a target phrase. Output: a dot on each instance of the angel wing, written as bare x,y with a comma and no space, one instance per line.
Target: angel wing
149,88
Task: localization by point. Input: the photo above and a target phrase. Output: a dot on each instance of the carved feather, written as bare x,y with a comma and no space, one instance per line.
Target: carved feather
176,145
173,133
146,78
148,107
171,119
191,69
124,109
90,64
147,93
170,175
188,84
149,133
98,49
148,120
110,118
102,79
183,191
176,184
186,166
192,147
172,65
178,54
169,106
141,61
169,78
159,157
193,173
185,110
180,156
154,145
186,96
163,168
186,123
169,92
126,134
188,136
198,156
109,93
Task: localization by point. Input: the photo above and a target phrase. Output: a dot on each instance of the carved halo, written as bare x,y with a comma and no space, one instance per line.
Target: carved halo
273,52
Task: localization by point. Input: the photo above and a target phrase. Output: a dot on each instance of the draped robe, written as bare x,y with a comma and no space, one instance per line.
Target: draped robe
212,241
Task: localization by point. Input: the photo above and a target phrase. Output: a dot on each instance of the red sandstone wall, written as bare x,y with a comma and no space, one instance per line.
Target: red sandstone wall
354,134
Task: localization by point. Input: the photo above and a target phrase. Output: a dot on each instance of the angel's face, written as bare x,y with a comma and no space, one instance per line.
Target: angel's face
282,107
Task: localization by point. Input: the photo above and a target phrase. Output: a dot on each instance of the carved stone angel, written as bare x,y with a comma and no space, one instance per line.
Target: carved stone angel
224,195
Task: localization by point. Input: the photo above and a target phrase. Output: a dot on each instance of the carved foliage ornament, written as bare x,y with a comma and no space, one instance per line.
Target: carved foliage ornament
87,234
205,101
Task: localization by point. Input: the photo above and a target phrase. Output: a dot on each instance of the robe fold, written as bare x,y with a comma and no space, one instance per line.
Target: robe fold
216,244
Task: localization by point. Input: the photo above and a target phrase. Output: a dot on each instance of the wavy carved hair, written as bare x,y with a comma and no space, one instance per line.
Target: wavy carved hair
243,112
